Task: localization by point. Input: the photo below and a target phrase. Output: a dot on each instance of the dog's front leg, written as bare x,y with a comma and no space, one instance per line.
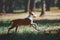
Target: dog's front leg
34,25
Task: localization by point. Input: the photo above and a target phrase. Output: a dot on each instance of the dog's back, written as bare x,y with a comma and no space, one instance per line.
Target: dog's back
25,21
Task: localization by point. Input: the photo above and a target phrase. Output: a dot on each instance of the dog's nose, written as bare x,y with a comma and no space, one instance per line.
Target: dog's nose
35,15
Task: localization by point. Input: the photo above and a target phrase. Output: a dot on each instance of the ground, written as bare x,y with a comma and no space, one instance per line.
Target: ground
46,16
49,23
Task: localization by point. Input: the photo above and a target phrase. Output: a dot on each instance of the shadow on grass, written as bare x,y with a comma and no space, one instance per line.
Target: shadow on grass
29,36
48,22
39,22
4,23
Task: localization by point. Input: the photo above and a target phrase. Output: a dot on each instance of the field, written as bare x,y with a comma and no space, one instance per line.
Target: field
49,25
29,33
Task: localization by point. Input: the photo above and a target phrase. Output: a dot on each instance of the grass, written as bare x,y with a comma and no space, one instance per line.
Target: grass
28,33
52,9
18,11
28,36
55,9
40,23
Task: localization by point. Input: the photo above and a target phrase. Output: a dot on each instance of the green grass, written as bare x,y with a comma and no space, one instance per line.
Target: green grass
28,33
28,36
52,9
41,23
18,10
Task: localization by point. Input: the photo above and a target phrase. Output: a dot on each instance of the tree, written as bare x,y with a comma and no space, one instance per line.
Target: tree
29,5
48,5
8,6
26,4
43,7
58,3
19,4
52,3
32,5
1,6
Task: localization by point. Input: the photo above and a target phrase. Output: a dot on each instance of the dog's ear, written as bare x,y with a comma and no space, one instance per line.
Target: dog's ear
30,12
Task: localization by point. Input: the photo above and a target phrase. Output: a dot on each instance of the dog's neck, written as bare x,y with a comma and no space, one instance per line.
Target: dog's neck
30,16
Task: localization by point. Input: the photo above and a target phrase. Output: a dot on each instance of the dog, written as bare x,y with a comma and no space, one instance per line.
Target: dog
26,21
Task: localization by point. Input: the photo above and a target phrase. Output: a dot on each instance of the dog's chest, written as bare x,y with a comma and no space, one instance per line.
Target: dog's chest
30,17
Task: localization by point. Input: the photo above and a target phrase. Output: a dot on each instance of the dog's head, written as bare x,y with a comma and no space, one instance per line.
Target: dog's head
32,13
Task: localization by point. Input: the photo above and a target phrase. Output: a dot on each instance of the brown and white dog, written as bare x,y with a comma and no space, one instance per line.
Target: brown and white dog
27,21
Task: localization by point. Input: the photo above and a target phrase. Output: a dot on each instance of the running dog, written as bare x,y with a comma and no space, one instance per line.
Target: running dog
27,21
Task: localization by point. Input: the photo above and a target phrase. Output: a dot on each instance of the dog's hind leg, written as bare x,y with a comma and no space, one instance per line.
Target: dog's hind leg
16,28
11,28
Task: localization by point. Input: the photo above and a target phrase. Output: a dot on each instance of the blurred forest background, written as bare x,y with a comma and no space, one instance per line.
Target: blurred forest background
8,6
49,23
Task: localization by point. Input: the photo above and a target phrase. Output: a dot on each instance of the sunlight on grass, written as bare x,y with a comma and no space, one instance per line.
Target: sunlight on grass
18,10
53,9
42,25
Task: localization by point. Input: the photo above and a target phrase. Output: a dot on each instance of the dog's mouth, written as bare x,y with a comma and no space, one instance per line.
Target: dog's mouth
34,15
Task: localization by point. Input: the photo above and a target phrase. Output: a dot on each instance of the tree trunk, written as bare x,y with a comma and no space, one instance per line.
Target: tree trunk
32,5
9,6
47,5
42,8
58,4
29,5
1,6
26,4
